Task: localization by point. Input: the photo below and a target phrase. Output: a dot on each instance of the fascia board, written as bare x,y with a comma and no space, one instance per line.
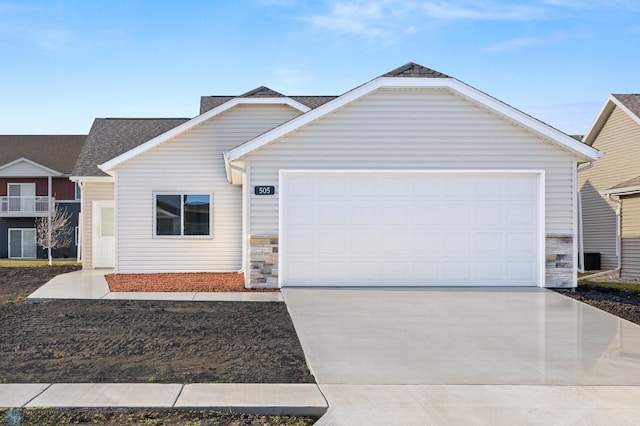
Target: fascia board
45,169
452,84
114,162
103,179
600,120
628,190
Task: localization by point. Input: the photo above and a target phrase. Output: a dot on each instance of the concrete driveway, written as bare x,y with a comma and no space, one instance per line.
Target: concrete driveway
472,356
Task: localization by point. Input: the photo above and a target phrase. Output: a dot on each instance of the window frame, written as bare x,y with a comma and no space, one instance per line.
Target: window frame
182,195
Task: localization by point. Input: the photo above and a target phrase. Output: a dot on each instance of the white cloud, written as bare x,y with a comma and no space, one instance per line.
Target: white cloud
387,19
352,18
515,44
480,11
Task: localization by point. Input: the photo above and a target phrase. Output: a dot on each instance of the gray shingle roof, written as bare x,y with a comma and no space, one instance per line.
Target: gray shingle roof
57,152
110,137
631,101
262,92
412,69
313,101
208,103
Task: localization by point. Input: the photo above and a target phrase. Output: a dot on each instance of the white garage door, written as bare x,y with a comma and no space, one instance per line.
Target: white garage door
410,229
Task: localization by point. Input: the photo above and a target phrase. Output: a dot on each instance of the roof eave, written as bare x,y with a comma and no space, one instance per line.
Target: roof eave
114,162
628,190
104,179
48,171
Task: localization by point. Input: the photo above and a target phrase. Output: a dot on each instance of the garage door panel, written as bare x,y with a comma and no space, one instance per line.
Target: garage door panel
521,271
299,215
300,243
487,272
521,214
395,271
331,214
426,244
457,271
394,215
432,229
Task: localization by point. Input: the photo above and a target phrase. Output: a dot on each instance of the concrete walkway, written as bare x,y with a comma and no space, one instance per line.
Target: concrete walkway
488,356
266,399
91,284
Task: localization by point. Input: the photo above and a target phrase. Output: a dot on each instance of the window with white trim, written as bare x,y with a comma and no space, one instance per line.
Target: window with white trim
182,214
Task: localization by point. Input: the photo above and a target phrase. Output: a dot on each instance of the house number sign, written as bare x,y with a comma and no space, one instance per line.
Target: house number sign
264,190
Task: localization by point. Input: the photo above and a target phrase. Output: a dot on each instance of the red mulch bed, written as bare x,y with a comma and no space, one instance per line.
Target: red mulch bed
177,282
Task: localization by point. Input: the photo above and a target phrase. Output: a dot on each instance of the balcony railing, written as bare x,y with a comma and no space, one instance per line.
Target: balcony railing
24,206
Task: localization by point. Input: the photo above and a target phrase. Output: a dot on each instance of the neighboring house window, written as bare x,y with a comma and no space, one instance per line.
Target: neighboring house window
183,214
22,197
22,243
76,236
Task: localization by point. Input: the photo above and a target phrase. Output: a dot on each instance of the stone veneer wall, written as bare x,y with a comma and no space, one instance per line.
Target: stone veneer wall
559,261
263,271
264,261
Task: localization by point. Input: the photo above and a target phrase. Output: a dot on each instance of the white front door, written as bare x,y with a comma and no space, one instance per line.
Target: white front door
22,243
411,229
104,240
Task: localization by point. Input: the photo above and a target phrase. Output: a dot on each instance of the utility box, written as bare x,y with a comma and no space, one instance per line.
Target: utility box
592,261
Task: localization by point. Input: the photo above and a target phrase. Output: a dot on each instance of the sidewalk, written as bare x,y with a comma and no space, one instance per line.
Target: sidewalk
263,399
91,284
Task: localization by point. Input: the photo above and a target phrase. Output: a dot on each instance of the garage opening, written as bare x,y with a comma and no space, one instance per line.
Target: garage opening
418,228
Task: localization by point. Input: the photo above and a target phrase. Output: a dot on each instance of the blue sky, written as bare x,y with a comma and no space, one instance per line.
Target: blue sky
64,63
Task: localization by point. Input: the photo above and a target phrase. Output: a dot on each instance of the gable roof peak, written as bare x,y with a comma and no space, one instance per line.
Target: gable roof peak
262,92
411,69
629,100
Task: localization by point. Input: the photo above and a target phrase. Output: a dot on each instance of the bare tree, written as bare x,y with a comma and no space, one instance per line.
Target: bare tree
54,231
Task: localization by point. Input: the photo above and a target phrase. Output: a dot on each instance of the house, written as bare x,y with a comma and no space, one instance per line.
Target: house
413,178
610,189
34,179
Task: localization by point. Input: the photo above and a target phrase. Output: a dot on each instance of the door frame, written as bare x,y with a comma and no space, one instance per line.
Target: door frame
95,235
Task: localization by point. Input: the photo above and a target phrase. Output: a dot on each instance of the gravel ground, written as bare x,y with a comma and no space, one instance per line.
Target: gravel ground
173,282
622,303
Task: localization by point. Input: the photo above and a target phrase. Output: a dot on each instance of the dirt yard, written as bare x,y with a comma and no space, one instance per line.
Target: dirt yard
135,341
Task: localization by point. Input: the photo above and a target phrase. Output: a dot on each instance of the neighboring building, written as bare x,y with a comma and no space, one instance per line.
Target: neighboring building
34,177
413,178
610,190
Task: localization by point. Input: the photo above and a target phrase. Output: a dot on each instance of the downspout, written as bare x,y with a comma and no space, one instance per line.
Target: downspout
228,169
618,241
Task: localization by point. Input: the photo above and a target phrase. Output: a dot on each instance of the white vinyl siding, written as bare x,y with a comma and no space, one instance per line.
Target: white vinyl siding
618,140
413,129
92,191
190,163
